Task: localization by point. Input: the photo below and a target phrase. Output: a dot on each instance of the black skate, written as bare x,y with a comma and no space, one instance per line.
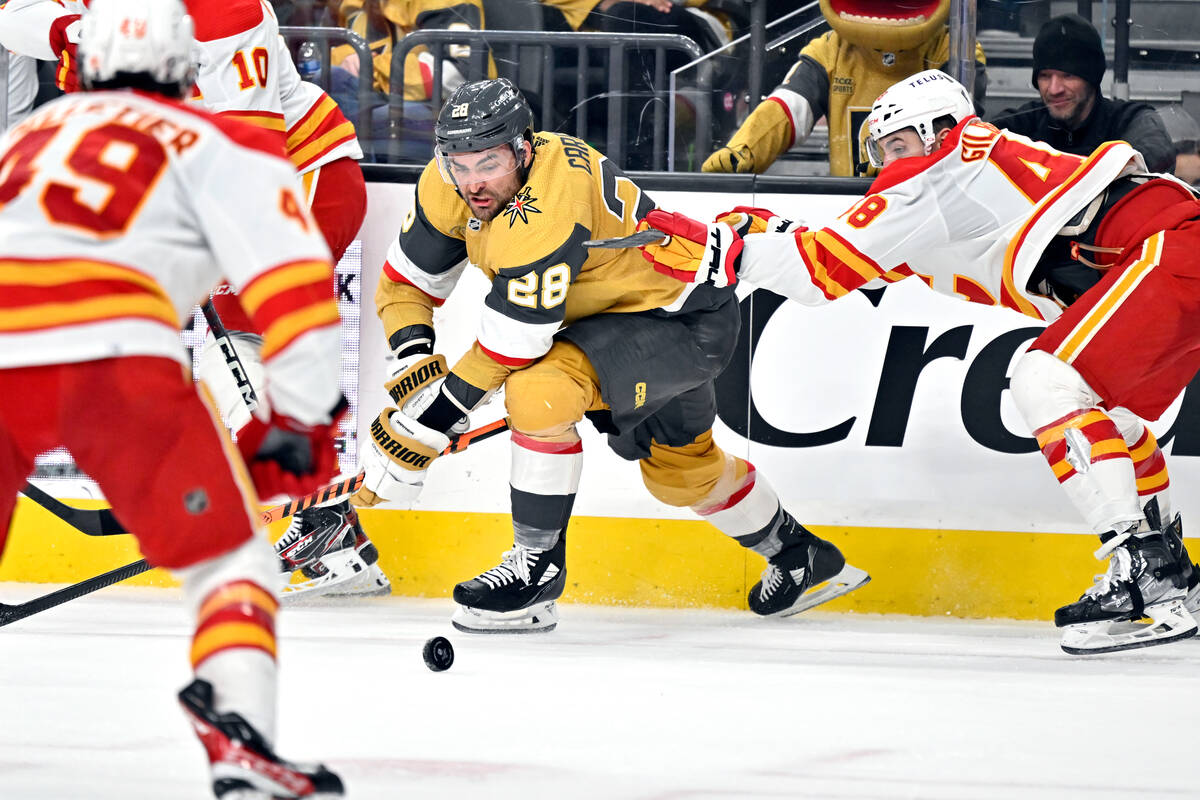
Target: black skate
517,595
329,548
804,575
1148,577
243,765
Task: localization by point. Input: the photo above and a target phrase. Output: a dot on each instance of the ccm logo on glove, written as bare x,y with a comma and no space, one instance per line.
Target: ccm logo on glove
400,452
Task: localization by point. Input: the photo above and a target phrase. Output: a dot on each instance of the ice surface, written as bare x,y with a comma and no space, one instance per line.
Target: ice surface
617,703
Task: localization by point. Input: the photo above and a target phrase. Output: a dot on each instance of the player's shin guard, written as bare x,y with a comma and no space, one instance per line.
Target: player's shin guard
802,570
518,594
233,648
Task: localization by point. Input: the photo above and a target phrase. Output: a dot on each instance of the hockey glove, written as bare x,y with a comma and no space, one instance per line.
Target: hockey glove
415,388
64,41
396,459
730,159
746,220
696,252
288,457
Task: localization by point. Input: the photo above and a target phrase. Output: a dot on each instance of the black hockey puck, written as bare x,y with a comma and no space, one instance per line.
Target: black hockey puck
438,653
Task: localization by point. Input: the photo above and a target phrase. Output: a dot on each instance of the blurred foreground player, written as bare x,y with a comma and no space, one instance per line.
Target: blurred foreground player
567,331
245,72
1097,247
122,208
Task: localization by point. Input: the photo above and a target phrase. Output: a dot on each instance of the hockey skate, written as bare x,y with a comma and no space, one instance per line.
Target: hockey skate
804,575
1139,601
333,554
515,596
243,765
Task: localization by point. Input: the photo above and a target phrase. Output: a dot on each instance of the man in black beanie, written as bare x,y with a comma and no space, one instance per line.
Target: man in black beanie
1071,114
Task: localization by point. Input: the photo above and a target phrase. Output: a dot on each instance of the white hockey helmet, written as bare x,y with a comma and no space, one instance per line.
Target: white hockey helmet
136,43
916,102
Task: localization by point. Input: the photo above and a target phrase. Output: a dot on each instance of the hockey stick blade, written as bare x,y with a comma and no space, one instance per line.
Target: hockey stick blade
98,522
12,613
638,239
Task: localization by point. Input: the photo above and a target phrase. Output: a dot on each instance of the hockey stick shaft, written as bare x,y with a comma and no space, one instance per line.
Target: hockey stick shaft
350,485
12,613
221,336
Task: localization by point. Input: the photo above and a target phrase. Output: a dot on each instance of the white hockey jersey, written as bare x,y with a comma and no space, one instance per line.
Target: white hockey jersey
246,72
971,220
119,211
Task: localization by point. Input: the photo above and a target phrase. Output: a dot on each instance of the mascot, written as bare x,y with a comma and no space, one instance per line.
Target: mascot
872,45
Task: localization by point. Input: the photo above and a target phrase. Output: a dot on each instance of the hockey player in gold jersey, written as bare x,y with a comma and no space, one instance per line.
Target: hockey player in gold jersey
568,332
838,76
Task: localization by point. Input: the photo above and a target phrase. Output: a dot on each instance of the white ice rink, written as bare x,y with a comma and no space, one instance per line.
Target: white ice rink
653,705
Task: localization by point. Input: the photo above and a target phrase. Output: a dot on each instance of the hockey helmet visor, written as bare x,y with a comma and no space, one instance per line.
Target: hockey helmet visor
479,117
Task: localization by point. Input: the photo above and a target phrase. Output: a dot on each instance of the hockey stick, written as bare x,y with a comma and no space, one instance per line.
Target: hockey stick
350,485
638,239
221,336
98,522
12,613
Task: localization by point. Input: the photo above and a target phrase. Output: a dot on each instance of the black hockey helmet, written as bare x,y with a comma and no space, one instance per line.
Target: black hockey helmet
479,116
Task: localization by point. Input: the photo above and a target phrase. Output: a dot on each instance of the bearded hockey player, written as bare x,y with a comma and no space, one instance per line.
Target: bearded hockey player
872,45
123,207
567,331
1097,247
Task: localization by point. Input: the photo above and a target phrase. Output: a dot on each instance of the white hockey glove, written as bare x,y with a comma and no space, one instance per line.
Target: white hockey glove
217,373
395,460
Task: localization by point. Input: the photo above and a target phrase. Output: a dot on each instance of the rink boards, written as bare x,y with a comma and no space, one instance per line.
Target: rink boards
883,422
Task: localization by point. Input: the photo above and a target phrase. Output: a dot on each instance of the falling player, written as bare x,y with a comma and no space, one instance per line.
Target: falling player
122,207
1095,246
568,332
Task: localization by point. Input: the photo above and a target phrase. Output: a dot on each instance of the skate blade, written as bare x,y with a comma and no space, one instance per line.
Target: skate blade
372,583
341,567
1169,622
846,581
538,618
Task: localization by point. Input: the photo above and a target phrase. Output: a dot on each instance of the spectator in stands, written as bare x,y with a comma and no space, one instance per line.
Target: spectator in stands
1185,134
1071,114
838,76
383,23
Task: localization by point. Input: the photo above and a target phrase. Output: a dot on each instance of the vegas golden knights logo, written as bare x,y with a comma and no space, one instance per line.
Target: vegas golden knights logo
639,394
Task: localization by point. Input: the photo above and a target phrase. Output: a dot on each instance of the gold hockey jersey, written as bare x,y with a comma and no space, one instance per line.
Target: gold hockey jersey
542,277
